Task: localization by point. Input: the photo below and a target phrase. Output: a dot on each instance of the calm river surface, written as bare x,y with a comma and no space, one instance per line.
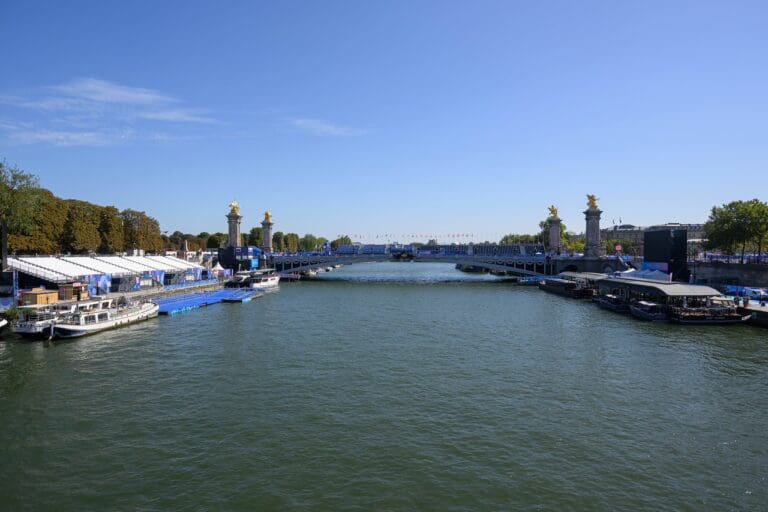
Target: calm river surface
369,393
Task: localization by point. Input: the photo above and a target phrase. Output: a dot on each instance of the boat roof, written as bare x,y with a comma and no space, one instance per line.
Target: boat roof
668,289
589,276
647,303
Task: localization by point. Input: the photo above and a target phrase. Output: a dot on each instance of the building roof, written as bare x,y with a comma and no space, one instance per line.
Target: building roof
668,289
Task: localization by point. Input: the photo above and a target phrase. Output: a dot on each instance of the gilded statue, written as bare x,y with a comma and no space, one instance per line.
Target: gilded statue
267,216
553,212
234,207
592,201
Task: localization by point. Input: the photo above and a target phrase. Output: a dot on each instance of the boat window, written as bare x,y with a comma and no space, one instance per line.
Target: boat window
103,316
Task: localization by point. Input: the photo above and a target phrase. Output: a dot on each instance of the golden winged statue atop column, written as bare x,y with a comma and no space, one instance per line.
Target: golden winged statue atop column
592,201
234,207
553,211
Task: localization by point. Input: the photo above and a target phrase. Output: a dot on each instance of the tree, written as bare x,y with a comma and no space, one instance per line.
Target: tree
176,240
308,243
291,242
575,243
17,204
46,234
111,231
278,241
81,230
141,231
736,225
255,237
216,241
342,240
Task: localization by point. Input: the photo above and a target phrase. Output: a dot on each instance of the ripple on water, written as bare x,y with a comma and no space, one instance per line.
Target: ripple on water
388,395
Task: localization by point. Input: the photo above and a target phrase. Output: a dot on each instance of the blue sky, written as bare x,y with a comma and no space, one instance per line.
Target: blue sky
389,117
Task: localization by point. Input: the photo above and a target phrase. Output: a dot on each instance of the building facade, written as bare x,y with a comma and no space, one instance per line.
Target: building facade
636,234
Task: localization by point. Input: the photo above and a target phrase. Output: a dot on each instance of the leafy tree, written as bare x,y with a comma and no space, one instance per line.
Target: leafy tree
216,240
17,204
45,235
141,231
176,240
308,243
342,240
81,230
291,242
278,241
255,237
737,225
111,230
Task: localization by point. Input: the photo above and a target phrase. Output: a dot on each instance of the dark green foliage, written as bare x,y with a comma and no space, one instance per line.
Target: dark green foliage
737,226
216,240
17,204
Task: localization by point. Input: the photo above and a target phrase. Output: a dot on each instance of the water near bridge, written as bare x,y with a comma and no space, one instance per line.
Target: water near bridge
365,393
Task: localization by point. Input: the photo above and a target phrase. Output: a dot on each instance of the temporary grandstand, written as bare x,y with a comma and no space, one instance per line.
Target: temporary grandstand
103,274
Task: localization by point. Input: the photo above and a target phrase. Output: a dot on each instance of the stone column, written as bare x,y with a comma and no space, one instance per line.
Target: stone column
554,234
233,219
594,246
266,233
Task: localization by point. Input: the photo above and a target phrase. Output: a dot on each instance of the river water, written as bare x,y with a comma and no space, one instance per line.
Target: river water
389,387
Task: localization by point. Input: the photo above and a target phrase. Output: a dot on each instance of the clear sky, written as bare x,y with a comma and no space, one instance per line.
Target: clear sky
411,117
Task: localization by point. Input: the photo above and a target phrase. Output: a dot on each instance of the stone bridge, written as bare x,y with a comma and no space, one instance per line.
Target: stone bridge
522,266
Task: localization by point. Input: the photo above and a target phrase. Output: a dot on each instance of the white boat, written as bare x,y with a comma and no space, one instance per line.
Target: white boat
264,278
97,316
36,321
3,323
241,279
